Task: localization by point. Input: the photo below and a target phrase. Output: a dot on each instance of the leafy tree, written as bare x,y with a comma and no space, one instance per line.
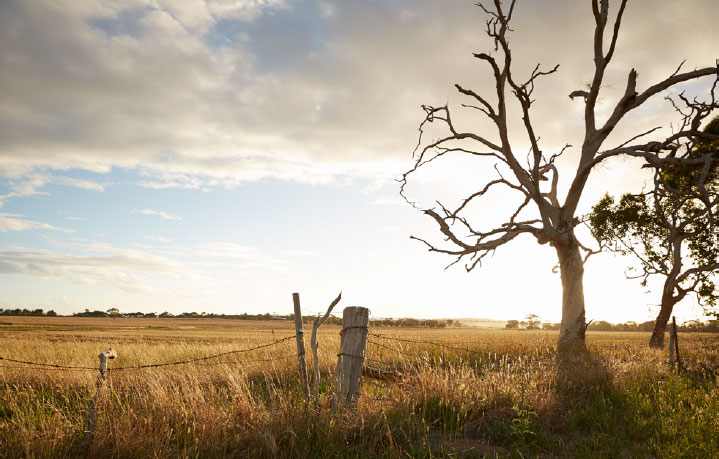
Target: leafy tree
532,198
512,325
532,321
670,230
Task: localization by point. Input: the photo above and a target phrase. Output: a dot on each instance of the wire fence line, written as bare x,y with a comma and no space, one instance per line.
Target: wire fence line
373,339
271,359
416,341
52,366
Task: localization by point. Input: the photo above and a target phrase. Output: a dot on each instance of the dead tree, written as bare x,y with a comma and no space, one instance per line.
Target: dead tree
540,211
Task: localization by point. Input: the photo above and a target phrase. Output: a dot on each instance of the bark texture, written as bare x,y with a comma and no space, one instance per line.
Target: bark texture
660,326
571,267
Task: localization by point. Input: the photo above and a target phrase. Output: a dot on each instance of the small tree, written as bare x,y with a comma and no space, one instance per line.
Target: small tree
512,325
532,321
113,312
670,230
540,211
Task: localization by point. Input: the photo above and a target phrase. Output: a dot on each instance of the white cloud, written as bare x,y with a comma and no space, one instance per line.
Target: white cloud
230,256
159,213
165,240
126,269
11,222
79,183
32,184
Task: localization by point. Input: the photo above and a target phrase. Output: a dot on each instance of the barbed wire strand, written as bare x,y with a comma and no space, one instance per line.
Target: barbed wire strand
431,343
52,366
199,359
46,369
271,359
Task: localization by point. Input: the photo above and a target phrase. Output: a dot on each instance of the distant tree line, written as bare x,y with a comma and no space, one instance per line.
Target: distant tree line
114,312
27,312
332,320
601,325
427,323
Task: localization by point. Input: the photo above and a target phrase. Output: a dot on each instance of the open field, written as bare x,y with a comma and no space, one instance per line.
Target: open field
478,393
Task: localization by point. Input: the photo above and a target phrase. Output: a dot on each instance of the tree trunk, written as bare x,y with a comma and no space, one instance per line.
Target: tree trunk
571,267
660,326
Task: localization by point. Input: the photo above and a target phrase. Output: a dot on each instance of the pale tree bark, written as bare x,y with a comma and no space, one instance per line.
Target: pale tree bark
571,268
539,212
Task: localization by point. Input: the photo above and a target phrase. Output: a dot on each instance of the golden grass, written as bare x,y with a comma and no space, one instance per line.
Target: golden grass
493,392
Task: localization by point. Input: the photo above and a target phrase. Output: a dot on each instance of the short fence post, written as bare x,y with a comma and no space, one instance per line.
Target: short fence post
671,348
676,342
300,335
92,409
350,359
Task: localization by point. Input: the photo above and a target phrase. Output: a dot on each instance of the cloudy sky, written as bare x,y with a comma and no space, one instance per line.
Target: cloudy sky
218,155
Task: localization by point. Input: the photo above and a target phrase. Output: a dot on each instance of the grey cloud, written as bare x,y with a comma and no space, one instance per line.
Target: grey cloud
9,268
294,92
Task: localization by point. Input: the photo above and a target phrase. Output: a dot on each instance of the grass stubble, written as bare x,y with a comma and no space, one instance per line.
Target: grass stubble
486,393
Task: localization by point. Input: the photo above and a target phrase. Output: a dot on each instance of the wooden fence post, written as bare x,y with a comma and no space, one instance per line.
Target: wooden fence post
350,359
676,342
300,334
671,348
92,409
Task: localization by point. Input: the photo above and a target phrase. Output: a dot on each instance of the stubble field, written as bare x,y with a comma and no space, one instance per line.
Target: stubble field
462,392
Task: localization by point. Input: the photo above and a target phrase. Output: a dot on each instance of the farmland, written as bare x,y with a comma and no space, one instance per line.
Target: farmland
463,392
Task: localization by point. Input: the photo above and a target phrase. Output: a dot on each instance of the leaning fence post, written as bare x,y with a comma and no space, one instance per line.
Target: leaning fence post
350,359
92,409
300,335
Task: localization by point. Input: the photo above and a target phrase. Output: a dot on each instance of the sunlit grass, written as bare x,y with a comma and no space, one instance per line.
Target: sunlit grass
484,393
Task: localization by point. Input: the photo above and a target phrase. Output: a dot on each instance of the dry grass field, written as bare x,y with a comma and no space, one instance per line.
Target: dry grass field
475,393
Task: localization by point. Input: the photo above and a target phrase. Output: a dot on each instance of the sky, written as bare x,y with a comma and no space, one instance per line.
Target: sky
219,155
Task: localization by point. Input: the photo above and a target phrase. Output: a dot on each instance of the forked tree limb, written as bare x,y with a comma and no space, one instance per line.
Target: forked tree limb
315,345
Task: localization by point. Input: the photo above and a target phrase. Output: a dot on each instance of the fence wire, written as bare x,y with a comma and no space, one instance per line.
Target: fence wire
52,366
416,341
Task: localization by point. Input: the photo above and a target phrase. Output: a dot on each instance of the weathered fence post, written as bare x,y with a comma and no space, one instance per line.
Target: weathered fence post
300,334
315,346
676,342
350,359
671,349
92,409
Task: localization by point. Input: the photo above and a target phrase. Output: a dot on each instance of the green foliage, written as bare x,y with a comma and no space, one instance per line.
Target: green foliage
684,177
669,230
